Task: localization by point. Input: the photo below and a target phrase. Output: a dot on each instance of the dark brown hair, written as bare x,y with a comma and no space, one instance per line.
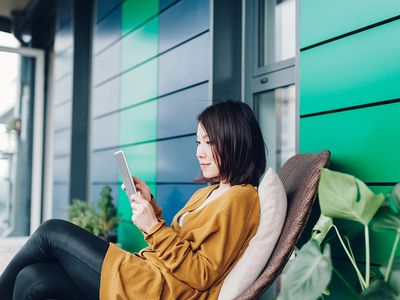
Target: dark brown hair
237,142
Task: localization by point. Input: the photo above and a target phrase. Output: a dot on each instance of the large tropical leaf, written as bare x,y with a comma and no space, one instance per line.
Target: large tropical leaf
346,197
309,274
395,194
386,220
321,228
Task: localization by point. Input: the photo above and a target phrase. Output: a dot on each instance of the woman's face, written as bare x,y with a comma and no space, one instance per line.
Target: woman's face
205,155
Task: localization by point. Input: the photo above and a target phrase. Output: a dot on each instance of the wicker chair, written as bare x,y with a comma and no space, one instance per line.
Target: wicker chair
300,176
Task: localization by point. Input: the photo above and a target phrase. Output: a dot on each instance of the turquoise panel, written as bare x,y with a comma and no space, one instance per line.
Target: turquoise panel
140,45
136,12
130,237
140,84
358,69
363,142
138,124
324,19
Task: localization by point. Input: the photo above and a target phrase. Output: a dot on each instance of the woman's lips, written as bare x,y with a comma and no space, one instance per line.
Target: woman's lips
204,165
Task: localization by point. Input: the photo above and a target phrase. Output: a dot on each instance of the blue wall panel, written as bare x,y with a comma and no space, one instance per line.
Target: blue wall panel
62,142
105,132
64,63
176,160
64,12
104,167
63,90
182,21
177,113
61,169
106,64
62,116
105,98
173,197
185,65
107,31
104,7
165,3
61,201
64,38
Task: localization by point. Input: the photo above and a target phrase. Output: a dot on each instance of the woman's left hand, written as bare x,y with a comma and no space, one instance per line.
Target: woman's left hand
143,213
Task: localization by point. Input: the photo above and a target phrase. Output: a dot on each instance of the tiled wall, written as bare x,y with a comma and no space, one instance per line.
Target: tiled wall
349,100
151,70
62,106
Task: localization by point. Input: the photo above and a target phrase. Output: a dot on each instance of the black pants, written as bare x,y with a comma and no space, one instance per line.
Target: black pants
60,260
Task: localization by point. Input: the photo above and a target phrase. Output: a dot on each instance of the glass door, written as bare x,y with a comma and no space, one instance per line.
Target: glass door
21,138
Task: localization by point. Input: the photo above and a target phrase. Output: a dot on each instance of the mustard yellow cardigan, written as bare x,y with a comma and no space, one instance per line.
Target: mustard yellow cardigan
189,262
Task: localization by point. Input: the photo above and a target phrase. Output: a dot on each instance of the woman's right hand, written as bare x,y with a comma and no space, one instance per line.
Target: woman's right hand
142,187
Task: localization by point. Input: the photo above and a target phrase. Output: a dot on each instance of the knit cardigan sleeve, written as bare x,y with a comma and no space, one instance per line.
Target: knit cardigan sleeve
214,243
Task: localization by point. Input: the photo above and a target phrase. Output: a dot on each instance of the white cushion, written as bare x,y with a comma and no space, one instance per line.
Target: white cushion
273,205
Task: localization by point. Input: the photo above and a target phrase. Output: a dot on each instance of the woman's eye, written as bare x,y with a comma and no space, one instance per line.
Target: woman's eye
208,142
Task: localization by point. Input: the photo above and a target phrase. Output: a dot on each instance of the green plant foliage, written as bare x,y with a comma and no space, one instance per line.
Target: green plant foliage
108,216
346,197
309,275
84,215
100,222
321,228
386,220
379,289
395,195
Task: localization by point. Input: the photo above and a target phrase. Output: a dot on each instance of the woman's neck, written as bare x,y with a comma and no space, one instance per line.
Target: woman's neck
223,186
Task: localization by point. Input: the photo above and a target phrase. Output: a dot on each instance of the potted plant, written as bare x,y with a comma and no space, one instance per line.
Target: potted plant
102,221
343,196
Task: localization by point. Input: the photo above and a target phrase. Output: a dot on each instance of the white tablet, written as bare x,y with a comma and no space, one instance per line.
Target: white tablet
125,174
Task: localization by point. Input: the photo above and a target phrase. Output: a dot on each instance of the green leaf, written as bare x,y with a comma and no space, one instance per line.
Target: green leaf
346,197
394,279
379,289
309,275
321,228
395,194
386,220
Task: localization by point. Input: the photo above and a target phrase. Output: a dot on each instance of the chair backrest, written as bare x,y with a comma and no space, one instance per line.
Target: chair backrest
300,176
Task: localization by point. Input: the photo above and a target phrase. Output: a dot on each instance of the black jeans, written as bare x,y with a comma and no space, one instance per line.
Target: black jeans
60,260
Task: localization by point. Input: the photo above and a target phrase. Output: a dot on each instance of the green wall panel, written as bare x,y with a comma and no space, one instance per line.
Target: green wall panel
130,237
135,12
138,124
358,69
140,44
363,142
324,19
140,84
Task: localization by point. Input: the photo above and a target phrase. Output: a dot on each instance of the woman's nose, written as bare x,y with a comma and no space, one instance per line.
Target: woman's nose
200,152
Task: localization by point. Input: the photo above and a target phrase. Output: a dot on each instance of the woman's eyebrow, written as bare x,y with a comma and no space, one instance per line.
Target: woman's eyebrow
204,136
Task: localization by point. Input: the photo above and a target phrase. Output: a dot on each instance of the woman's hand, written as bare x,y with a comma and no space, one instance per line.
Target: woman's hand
142,187
143,213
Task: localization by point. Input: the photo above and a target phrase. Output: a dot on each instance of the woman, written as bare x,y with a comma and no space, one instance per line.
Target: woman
188,260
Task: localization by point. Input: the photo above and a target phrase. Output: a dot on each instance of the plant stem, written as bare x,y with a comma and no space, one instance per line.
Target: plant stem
353,262
346,283
390,263
367,256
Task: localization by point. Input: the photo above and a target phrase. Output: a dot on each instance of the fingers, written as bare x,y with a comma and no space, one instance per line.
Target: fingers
137,198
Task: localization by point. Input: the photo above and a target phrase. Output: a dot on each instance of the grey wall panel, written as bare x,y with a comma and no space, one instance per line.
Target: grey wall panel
107,64
185,65
62,116
106,98
165,3
177,113
62,142
64,38
171,198
104,167
61,201
104,7
176,160
63,63
63,90
61,169
64,12
107,31
182,21
97,188
105,132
